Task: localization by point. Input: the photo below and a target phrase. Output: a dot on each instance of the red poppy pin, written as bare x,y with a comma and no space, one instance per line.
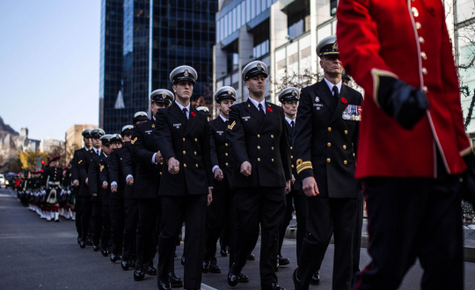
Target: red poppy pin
269,110
344,101
194,115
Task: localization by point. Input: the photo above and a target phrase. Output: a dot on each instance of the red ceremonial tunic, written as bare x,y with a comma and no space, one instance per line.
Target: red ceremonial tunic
407,40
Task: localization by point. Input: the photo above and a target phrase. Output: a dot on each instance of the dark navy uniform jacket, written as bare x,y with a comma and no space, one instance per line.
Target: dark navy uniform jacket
220,153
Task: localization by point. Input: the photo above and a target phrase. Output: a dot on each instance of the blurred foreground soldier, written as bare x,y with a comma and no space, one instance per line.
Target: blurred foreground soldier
78,181
147,154
412,142
185,190
289,99
325,148
204,110
262,175
219,212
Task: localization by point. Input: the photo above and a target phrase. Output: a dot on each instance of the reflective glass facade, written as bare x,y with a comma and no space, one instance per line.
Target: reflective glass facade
112,17
184,33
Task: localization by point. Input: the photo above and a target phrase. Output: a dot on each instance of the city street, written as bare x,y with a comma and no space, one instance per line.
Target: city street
36,254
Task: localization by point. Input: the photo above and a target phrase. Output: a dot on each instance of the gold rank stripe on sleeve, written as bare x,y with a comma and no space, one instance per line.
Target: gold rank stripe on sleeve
301,165
101,168
230,127
133,141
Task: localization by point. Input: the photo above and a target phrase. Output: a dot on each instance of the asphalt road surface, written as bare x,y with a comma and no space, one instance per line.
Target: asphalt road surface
36,254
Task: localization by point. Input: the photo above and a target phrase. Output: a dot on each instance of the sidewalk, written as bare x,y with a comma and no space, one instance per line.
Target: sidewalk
468,232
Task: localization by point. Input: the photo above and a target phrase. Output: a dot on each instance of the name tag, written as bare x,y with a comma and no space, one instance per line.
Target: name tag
219,132
177,126
318,107
352,113
246,118
148,132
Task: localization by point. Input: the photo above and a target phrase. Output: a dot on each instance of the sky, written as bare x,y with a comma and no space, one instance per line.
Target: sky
49,65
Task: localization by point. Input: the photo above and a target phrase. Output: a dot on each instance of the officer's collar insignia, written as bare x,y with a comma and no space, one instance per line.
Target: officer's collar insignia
186,73
259,66
335,46
317,99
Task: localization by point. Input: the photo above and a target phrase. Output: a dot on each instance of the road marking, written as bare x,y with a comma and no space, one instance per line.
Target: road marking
206,287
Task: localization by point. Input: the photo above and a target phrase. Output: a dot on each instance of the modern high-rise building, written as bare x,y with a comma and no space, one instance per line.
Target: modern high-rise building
155,37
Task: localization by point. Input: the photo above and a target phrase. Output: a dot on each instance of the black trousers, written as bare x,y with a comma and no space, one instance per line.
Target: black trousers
96,221
86,210
300,203
358,231
147,231
77,209
117,217
106,226
286,218
175,210
131,220
217,215
327,216
411,218
254,206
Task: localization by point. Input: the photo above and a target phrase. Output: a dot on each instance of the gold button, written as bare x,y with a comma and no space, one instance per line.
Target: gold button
424,71
272,148
258,135
259,159
345,162
184,164
425,89
354,154
344,147
196,165
225,154
196,139
290,148
424,55
184,139
418,25
258,147
195,153
329,160
184,152
421,39
291,157
415,12
227,164
161,163
225,144
272,136
272,159
249,105
160,173
329,129
292,166
329,144
346,132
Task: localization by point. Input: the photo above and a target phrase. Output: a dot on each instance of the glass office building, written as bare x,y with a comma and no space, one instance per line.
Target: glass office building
156,37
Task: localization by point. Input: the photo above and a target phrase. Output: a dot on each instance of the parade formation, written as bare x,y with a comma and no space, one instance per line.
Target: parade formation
245,173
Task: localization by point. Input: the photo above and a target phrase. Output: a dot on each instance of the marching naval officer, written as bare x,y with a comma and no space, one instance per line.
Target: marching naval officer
259,143
186,187
325,148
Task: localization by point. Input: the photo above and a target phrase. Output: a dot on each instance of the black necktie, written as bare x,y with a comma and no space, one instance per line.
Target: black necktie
335,92
184,112
261,113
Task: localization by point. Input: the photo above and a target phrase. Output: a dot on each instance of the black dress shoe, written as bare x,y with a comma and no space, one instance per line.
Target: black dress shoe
139,275
150,270
205,266
164,285
82,244
114,257
89,242
175,281
297,282
95,247
132,264
183,260
277,264
283,261
78,239
251,257
243,278
104,252
315,279
232,279
125,265
274,286
213,268
224,252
